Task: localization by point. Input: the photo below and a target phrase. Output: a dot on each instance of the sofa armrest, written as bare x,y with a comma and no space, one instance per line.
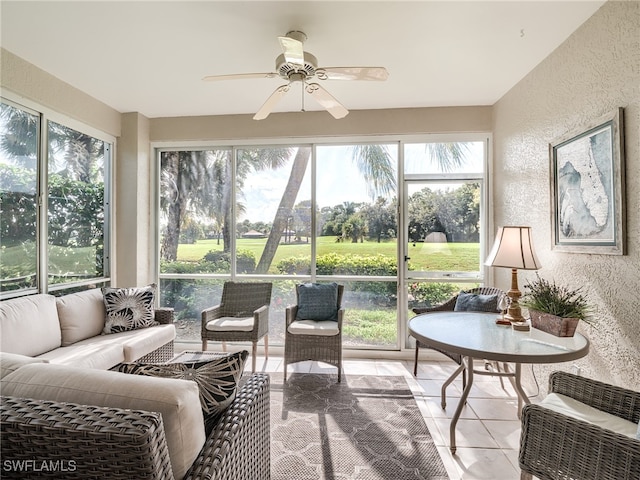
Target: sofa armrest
81,441
164,315
553,445
618,401
239,445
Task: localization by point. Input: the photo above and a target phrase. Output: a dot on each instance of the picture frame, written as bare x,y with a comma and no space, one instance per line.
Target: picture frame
587,173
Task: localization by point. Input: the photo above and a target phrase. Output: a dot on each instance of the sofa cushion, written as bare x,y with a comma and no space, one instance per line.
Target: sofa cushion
129,308
217,378
86,355
177,400
475,302
10,362
81,315
317,301
105,351
29,325
573,408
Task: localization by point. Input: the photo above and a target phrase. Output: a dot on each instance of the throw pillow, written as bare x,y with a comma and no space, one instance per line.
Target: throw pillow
317,301
474,302
128,308
217,379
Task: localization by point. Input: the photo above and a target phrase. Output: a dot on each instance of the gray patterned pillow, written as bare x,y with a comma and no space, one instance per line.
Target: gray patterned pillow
217,379
128,308
317,301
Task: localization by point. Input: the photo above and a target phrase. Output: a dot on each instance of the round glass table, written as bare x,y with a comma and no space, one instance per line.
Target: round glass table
475,335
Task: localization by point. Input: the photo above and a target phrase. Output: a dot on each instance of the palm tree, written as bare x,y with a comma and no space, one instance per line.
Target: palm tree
200,182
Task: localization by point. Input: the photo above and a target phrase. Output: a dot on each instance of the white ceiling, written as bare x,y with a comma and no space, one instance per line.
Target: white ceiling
150,56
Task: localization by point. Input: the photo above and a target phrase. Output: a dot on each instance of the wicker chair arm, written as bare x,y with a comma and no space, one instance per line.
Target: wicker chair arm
290,314
261,321
447,306
210,313
239,445
615,400
164,315
86,441
555,446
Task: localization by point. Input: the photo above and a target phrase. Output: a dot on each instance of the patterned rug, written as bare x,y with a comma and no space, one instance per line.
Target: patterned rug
367,427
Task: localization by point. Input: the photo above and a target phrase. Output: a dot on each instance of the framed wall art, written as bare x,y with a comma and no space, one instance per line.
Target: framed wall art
587,188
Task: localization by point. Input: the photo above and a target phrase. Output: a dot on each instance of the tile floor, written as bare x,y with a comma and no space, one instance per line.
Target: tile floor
488,431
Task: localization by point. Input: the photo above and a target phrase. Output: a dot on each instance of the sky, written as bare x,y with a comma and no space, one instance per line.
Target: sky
338,180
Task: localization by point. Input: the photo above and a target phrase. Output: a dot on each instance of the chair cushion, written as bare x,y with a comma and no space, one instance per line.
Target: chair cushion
217,378
176,400
10,362
573,408
317,301
475,302
326,328
230,324
81,315
129,308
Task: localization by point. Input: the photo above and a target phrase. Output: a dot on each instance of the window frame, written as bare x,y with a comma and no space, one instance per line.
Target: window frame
45,116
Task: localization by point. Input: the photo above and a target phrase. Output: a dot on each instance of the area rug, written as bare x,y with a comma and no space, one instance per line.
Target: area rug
365,428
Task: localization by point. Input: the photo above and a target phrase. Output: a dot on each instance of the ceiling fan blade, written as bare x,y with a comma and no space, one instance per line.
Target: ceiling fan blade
353,73
293,52
239,76
271,102
328,101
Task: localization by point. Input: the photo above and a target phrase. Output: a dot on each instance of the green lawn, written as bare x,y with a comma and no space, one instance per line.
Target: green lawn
428,256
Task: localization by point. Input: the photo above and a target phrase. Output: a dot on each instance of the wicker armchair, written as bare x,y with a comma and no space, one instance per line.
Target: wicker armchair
555,446
80,441
242,315
449,306
321,348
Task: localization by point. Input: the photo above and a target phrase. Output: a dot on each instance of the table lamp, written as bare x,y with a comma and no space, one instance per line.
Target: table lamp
513,249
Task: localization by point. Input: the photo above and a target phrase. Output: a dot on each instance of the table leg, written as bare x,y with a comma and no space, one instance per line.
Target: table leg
516,382
443,390
467,363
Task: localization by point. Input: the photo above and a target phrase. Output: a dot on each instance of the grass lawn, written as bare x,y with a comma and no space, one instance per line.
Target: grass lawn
424,256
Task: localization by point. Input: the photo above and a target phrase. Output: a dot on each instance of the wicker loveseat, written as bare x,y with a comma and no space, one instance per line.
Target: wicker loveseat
57,439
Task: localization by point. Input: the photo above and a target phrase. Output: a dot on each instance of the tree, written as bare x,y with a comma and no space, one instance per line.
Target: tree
376,166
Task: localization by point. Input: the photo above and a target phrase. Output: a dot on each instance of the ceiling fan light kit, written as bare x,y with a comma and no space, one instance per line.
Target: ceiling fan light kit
296,65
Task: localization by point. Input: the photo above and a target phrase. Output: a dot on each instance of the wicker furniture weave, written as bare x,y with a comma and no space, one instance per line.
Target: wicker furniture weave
112,443
554,446
240,300
299,348
164,353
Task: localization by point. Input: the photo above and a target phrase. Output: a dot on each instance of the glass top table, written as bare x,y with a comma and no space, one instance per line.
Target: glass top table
475,335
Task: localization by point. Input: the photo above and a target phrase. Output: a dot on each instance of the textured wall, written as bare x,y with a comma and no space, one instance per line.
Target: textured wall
595,71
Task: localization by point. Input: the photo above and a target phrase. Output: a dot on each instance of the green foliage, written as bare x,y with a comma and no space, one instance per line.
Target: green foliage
245,261
371,327
429,294
548,297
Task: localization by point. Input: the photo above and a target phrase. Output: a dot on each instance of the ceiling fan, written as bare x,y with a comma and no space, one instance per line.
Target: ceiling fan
296,65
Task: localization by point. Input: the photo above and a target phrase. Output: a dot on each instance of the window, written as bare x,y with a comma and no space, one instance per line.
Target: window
321,212
71,247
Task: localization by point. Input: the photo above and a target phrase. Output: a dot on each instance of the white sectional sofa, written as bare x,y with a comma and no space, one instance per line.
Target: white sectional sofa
67,330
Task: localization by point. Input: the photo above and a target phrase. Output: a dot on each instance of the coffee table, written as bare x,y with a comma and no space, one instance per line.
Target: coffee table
195,356
475,335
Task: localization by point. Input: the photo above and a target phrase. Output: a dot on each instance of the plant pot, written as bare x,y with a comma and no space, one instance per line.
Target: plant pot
558,326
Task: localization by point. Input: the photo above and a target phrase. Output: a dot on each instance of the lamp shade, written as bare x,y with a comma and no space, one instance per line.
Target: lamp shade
513,248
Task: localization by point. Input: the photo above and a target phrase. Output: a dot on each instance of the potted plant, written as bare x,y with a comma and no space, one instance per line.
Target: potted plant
555,309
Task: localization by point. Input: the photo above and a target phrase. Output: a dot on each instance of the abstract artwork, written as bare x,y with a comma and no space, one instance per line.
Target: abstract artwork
587,188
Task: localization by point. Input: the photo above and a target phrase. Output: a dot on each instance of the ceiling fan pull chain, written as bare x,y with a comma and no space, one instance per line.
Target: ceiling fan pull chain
302,91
